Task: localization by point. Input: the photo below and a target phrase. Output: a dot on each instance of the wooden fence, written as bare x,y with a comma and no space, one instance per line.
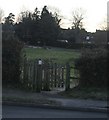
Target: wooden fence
40,75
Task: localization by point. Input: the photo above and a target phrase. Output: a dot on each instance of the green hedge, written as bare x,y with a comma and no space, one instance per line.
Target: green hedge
11,48
92,66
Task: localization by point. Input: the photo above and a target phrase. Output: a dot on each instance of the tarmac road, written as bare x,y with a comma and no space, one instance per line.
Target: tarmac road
35,112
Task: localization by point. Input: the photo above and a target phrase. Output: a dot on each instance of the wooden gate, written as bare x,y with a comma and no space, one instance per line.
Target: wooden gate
39,75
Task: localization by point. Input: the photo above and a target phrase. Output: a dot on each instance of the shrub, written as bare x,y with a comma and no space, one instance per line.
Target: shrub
11,48
92,66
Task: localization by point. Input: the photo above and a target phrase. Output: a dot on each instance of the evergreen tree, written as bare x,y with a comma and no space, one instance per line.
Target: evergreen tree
49,27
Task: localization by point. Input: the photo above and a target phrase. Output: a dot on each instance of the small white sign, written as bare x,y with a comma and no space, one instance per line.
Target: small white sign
40,62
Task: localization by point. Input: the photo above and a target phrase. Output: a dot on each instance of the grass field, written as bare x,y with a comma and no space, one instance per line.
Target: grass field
56,54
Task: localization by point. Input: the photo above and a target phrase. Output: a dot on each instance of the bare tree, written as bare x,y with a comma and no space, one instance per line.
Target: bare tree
107,25
103,25
78,16
77,20
23,15
1,14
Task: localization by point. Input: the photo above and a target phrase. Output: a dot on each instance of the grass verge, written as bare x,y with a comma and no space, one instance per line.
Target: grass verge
22,96
23,100
86,93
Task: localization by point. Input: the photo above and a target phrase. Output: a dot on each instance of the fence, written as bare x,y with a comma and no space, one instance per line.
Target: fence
45,75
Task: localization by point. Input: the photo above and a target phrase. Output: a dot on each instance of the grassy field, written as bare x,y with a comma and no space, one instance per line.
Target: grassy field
55,54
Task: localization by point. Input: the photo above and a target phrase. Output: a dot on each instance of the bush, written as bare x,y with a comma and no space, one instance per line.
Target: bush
92,66
11,48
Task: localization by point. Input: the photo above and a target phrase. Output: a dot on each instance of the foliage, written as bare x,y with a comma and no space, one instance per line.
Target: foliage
38,28
28,28
49,27
92,66
10,18
10,59
93,93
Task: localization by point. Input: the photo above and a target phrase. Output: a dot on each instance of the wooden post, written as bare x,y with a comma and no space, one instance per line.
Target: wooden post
67,85
62,81
28,73
51,67
34,74
25,73
55,74
46,76
39,76
59,76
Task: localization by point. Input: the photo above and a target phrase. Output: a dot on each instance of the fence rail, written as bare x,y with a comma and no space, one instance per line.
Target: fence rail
40,75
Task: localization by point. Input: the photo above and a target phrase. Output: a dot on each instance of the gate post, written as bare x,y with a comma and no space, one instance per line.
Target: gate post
46,76
67,84
39,76
55,74
25,73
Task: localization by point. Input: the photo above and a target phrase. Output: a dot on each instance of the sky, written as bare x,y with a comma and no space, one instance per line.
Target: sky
95,10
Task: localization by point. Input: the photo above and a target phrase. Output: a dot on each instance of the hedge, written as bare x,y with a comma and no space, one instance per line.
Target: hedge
92,66
11,48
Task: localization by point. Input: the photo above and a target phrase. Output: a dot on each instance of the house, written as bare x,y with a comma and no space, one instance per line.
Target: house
100,37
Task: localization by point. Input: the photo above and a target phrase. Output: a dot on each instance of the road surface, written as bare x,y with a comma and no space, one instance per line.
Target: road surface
34,112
